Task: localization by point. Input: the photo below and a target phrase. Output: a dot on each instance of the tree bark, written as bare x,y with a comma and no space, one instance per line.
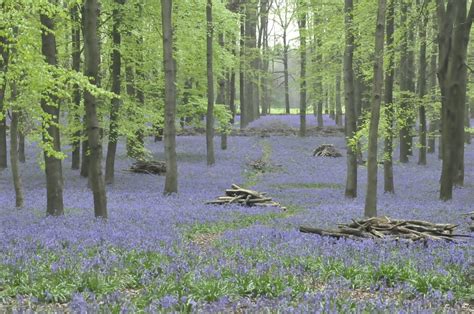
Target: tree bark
351,124
371,196
171,181
53,167
116,67
92,64
389,186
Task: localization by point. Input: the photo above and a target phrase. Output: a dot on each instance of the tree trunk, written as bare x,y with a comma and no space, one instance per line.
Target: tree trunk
53,167
210,87
302,31
405,85
116,67
21,144
435,123
454,26
371,196
244,121
286,73
76,66
14,160
422,91
338,100
171,181
3,120
91,65
389,186
221,95
351,126
319,84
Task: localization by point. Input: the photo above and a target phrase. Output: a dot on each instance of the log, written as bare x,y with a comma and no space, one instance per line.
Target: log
387,228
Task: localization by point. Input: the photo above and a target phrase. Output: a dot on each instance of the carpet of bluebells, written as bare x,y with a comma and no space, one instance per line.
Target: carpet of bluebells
176,254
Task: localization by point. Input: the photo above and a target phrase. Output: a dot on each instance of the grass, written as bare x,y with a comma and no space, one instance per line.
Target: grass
240,221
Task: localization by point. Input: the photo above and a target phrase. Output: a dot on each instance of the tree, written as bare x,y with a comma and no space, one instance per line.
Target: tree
302,30
422,90
351,122
407,84
76,66
389,186
285,18
210,87
92,64
116,88
371,196
171,181
3,84
454,25
51,135
14,159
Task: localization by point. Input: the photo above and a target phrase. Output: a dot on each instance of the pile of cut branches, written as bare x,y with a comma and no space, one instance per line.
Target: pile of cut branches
238,195
149,167
326,150
387,228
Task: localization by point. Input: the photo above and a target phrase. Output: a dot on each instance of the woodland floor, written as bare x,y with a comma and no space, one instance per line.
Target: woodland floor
176,254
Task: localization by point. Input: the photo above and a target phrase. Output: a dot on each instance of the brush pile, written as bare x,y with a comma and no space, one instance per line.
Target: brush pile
387,228
245,197
149,167
326,150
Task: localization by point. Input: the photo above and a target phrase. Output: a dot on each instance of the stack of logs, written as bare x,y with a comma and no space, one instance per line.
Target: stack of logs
326,150
387,228
149,167
238,195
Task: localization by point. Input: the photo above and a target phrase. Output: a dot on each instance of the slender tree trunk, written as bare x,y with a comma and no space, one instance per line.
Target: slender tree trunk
232,96
76,66
221,95
14,160
338,100
53,167
171,181
286,78
210,87
91,65
422,91
302,31
389,186
435,123
404,85
244,121
263,44
371,196
351,125
319,85
3,120
116,67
